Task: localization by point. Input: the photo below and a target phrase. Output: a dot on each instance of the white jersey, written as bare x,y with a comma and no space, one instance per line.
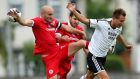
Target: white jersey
103,37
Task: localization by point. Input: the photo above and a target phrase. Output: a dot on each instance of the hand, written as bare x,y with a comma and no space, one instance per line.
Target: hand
73,39
84,35
58,37
128,47
14,13
66,38
71,6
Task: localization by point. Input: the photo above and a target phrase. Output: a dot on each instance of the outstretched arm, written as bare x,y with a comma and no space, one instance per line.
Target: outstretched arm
73,30
121,39
24,22
81,18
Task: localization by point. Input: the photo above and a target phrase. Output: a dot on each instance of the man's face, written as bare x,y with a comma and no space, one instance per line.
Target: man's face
73,21
48,15
119,21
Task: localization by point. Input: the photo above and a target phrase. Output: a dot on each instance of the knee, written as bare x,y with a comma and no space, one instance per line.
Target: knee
89,76
82,43
105,76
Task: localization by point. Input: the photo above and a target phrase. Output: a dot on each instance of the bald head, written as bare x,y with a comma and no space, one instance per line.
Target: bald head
47,8
47,12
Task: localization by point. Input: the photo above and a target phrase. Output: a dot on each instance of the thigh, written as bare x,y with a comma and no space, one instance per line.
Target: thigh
103,75
51,65
89,75
95,65
75,47
64,68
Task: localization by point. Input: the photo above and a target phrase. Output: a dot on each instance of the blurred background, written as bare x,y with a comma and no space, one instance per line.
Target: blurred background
16,42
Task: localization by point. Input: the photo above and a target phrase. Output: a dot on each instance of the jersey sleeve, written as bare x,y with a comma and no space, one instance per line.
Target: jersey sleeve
35,22
93,23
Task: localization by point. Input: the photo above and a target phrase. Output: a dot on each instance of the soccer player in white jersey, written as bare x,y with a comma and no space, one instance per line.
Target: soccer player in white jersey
105,33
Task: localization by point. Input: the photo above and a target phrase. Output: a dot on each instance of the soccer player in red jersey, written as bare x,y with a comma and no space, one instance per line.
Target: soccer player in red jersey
65,65
44,28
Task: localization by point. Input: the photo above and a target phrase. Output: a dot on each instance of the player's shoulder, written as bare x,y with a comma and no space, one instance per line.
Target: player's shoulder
104,20
37,19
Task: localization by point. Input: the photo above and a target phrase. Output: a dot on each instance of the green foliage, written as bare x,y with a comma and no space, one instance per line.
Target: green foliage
119,48
2,47
3,51
98,8
29,57
28,49
28,52
114,63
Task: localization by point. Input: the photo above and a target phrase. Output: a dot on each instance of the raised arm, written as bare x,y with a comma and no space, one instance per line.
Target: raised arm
81,18
73,30
20,20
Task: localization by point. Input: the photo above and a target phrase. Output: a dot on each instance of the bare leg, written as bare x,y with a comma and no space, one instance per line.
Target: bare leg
103,75
89,75
76,46
54,77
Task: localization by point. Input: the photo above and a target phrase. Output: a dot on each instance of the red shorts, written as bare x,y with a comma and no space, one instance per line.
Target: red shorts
63,52
65,67
65,62
51,62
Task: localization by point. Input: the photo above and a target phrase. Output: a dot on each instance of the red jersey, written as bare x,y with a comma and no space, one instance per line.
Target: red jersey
66,63
44,33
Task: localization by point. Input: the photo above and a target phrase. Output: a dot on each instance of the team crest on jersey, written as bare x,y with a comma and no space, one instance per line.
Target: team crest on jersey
50,71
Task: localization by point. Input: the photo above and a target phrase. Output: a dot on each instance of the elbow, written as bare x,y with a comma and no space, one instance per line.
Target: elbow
23,24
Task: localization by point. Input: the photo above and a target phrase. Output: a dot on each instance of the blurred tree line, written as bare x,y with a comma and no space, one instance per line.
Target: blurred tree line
97,9
3,37
30,58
